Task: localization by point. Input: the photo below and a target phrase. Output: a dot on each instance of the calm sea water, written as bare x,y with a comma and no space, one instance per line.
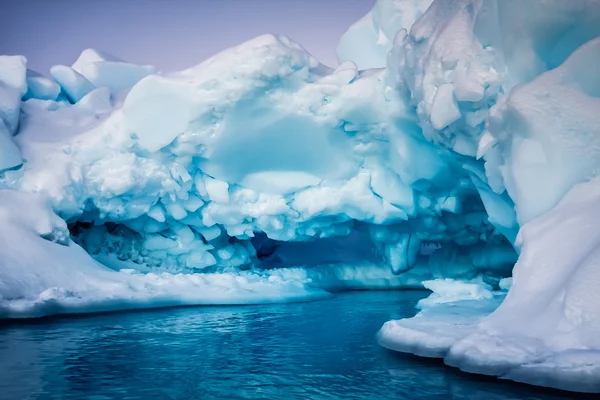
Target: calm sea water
317,350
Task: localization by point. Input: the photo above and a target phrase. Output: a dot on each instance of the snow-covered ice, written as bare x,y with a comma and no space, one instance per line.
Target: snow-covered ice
262,175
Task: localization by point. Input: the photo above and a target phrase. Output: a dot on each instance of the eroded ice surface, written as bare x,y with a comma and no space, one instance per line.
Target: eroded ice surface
262,175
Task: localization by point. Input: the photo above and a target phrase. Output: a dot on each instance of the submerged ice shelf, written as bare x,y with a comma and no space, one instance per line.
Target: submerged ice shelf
261,175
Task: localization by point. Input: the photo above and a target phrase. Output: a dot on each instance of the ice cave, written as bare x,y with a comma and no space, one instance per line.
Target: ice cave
456,148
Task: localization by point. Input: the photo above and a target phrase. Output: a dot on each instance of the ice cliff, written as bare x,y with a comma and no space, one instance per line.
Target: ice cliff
262,175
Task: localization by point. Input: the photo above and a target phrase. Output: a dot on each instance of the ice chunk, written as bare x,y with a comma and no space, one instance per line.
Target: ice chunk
368,41
105,70
449,291
157,212
158,242
346,72
156,112
13,86
10,156
73,84
176,210
485,143
193,203
402,255
389,186
40,87
505,283
469,90
218,191
210,233
10,107
360,45
445,109
115,75
13,72
414,159
90,56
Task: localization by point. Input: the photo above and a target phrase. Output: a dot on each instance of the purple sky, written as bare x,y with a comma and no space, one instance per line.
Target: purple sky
171,34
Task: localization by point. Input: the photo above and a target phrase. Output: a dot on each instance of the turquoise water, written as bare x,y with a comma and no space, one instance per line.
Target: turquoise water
317,350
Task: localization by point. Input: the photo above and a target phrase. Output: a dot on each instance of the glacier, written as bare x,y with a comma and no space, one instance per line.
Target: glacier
455,148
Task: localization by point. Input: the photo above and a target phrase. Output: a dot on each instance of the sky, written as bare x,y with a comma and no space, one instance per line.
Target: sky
170,34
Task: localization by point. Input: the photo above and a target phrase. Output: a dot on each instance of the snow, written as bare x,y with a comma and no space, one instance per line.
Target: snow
96,102
444,110
465,162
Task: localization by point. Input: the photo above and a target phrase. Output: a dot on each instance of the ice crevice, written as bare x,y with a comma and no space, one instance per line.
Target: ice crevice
262,175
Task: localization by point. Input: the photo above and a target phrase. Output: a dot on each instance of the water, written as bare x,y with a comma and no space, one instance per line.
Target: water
317,350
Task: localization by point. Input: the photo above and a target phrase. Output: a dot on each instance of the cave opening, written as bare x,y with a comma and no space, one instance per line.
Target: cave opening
451,245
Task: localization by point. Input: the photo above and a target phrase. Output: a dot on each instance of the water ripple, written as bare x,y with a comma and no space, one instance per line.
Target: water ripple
317,350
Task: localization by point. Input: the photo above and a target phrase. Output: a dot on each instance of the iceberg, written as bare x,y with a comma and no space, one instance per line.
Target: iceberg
74,85
455,148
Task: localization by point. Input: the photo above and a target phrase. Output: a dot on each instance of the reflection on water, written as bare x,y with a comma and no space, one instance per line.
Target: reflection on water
318,350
